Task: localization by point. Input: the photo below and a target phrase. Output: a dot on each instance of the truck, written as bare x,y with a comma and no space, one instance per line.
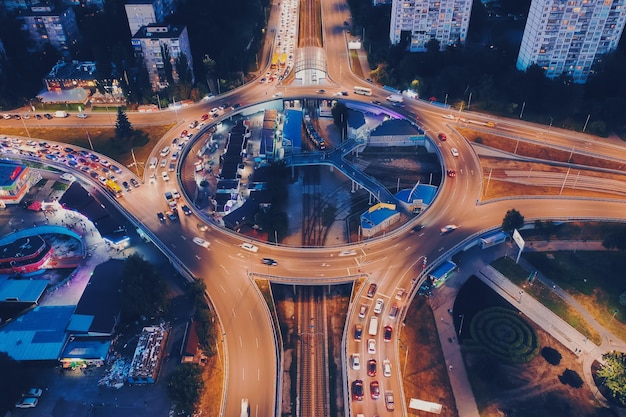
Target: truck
60,113
114,188
373,328
395,98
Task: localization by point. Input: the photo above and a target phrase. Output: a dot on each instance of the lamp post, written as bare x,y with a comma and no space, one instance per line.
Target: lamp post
521,113
551,120
614,313
586,121
462,317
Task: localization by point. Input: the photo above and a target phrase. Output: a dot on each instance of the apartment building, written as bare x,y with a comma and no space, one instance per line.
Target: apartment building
150,41
45,25
567,36
144,12
444,20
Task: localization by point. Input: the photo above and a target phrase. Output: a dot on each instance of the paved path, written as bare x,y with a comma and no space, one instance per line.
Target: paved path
476,262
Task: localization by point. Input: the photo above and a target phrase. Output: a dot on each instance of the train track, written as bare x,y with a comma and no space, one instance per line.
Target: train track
313,390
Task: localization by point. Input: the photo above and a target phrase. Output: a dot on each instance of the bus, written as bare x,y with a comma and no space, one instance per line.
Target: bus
274,64
114,188
364,91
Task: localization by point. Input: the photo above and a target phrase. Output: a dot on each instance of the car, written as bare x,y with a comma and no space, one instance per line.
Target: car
153,177
94,174
442,137
115,169
389,402
393,312
371,367
17,116
165,176
449,228
249,247
173,215
269,261
174,156
104,170
165,151
134,182
102,179
202,227
94,158
321,91
356,361
82,115
378,307
6,116
126,186
32,393
451,173
362,311
84,169
175,194
201,242
204,117
371,346
358,332
454,152
223,106
28,402
184,133
388,331
348,252
26,116
357,390
163,163
448,116
46,115
371,290
193,124
374,390
279,94
262,80
236,106
344,93
386,368
214,111
245,408
186,210
377,102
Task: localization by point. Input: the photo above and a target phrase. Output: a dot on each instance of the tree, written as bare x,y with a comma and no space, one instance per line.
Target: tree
184,387
512,220
615,240
614,373
340,117
144,292
123,128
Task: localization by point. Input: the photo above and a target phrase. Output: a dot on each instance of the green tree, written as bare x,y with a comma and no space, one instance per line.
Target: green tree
614,373
123,128
512,220
615,240
144,292
185,386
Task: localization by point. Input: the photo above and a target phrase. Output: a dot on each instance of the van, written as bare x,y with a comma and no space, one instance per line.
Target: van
373,328
60,113
153,162
245,408
249,247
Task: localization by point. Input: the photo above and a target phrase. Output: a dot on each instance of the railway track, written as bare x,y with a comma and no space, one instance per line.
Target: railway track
313,390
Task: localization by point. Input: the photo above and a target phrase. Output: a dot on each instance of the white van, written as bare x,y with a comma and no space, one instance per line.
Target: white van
373,328
60,113
153,162
245,408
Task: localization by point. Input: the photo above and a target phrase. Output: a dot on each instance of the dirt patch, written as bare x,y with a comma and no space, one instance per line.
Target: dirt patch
530,389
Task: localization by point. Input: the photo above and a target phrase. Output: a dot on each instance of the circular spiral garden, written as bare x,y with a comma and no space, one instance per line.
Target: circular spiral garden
503,333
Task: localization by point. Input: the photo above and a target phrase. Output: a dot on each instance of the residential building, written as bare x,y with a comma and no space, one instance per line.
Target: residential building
568,36
15,181
152,41
98,4
13,5
423,20
47,25
144,12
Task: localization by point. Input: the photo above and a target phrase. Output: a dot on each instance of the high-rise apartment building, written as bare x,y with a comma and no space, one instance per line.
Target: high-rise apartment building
47,25
151,41
567,36
144,12
12,5
444,20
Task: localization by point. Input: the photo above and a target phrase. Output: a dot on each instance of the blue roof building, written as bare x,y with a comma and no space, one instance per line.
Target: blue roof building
418,198
378,218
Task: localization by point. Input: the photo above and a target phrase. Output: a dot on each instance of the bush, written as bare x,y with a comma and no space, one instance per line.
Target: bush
571,378
552,356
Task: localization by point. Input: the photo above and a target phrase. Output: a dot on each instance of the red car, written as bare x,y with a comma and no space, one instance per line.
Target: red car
374,390
442,137
387,334
204,117
371,367
451,173
183,133
357,390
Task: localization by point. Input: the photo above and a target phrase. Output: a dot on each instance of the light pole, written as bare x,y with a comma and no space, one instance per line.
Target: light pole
586,121
614,313
462,317
551,120
521,113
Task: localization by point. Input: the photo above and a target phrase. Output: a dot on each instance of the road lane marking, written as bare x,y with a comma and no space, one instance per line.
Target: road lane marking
250,313
223,289
234,314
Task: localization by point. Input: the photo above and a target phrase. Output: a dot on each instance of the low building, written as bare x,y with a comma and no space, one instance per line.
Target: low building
144,368
24,255
15,182
378,219
190,350
440,274
396,132
418,198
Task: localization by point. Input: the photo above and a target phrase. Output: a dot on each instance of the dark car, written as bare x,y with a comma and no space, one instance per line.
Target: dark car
173,215
371,290
38,116
126,186
371,367
451,173
357,390
269,261
68,150
115,169
161,217
387,333
204,117
374,390
134,182
321,91
186,210
358,332
377,102
94,158
47,116
94,174
417,228
236,105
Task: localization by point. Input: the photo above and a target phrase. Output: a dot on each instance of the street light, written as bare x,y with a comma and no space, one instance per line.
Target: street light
462,317
614,313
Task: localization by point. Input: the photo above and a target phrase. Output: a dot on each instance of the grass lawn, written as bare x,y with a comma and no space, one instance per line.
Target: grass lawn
103,140
547,297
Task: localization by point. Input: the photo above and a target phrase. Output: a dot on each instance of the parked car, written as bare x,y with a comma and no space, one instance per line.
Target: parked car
28,402
358,332
371,290
378,307
356,361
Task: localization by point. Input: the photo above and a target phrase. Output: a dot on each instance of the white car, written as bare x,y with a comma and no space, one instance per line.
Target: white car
165,151
454,152
448,116
387,368
201,242
449,228
371,346
175,194
249,247
378,308
165,176
82,115
356,361
362,311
